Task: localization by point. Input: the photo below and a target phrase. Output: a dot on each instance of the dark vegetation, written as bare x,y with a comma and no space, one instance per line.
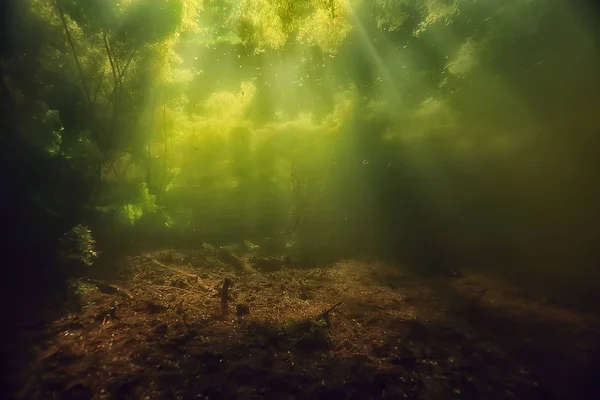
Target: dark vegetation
445,190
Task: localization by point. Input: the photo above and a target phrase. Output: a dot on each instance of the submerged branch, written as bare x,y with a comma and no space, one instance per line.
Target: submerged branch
330,309
110,59
89,102
116,83
72,45
120,80
325,314
225,296
99,88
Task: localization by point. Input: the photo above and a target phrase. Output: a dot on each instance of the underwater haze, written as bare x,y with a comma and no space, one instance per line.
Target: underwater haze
301,198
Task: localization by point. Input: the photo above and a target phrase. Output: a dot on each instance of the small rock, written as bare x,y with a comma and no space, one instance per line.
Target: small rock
304,295
179,283
241,310
161,329
154,308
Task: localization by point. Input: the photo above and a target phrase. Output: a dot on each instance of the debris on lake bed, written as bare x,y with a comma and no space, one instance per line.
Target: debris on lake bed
175,329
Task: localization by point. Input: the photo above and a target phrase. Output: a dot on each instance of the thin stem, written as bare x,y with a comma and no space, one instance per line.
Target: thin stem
72,44
115,85
112,95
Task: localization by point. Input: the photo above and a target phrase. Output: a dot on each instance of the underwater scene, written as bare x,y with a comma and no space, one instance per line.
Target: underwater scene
300,199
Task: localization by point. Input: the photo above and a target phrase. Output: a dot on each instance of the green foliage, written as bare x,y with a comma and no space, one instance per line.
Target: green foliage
393,15
133,212
165,15
309,335
78,247
44,130
146,204
253,116
269,24
415,16
96,15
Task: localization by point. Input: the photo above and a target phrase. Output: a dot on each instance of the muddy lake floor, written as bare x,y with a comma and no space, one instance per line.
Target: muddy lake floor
159,327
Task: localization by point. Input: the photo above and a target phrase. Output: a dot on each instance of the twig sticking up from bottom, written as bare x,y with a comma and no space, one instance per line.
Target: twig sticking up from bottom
225,296
325,314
